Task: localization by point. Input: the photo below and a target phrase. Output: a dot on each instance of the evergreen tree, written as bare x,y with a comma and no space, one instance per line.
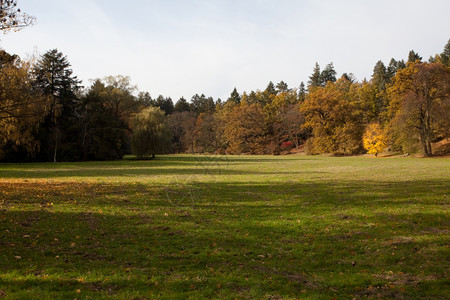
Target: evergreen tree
165,104
270,89
301,92
102,135
282,87
413,56
145,100
315,78
234,97
379,76
445,55
181,105
53,76
391,69
201,104
328,75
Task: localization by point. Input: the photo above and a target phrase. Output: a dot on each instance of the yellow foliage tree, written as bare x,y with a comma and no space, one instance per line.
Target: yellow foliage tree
374,139
22,106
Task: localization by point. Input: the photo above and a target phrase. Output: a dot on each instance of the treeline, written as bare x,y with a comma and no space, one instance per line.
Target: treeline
46,115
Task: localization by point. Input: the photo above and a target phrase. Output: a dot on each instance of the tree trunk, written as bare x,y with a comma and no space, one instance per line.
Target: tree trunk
56,145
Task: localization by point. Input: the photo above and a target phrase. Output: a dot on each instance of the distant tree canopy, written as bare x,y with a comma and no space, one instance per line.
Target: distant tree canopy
151,133
46,115
12,18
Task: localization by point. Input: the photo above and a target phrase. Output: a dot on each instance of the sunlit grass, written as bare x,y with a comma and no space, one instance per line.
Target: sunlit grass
185,226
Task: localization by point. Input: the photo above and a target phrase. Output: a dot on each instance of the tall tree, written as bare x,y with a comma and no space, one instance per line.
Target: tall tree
151,133
182,128
328,75
181,105
22,106
165,104
119,98
334,116
315,78
246,130
54,77
12,18
145,100
379,76
102,135
414,56
234,97
420,102
445,55
282,87
302,92
202,104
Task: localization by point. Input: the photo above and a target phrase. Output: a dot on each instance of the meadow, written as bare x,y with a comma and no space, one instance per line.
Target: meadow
230,227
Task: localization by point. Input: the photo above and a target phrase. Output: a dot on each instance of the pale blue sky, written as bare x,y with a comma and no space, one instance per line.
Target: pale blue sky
183,47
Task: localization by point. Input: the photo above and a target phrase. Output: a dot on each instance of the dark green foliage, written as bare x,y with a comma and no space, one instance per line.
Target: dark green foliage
328,75
270,89
301,92
234,97
165,104
145,100
102,135
282,87
379,76
182,105
413,56
201,104
57,135
445,55
315,79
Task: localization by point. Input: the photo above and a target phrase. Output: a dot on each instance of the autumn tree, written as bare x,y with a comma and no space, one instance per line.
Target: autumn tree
420,102
118,96
12,18
22,106
182,129
206,132
288,125
245,129
374,139
151,134
335,119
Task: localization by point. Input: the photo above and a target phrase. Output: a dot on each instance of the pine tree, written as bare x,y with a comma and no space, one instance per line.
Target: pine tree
234,97
328,75
54,78
315,78
379,76
302,92
445,55
413,56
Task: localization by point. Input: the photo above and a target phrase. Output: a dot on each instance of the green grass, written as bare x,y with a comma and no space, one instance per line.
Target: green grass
226,227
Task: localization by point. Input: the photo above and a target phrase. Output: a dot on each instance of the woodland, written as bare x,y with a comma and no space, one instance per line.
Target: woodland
46,114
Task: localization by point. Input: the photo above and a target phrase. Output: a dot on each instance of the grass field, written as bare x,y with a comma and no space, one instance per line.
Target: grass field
259,227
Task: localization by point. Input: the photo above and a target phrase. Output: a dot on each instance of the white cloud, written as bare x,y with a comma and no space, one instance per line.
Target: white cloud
182,47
